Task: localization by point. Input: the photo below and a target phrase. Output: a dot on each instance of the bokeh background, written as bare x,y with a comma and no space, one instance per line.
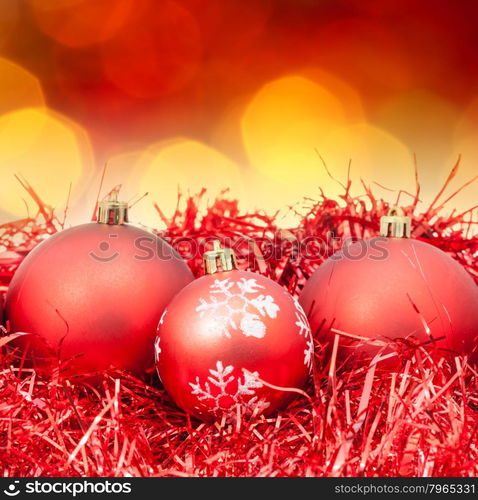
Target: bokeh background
234,94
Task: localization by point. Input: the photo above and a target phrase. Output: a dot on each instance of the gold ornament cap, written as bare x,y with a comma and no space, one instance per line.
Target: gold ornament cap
219,259
395,224
112,211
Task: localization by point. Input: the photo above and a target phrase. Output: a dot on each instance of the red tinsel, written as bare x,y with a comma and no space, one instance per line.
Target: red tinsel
421,421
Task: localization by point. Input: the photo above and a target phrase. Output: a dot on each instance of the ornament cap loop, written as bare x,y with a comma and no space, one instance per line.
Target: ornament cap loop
225,257
395,224
112,211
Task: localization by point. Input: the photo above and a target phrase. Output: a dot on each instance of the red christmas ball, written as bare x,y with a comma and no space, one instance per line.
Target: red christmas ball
91,296
226,335
393,294
1,309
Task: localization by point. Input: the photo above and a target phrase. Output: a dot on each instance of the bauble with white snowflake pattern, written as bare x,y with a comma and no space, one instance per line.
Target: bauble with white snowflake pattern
232,341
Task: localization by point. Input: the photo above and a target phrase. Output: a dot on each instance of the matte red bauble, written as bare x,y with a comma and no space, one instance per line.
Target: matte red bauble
226,335
1,309
393,293
91,296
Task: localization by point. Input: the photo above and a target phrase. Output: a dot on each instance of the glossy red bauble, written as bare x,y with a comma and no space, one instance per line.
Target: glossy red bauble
226,334
393,293
92,296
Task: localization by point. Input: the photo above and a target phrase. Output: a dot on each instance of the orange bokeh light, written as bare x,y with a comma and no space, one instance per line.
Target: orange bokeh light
18,87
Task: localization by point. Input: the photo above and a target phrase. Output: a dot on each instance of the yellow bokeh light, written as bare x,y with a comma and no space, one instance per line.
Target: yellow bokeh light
272,197
376,156
468,122
119,173
285,122
467,147
425,122
348,97
293,120
47,150
18,87
187,165
292,99
463,142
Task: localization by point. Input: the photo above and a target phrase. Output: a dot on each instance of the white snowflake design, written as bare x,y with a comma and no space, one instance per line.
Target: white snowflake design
304,329
231,304
157,347
223,391
157,342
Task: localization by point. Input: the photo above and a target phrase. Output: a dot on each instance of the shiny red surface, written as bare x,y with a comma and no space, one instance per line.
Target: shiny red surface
192,345
95,313
413,288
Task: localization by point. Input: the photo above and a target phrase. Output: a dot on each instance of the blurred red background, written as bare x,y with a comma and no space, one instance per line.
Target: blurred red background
233,94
